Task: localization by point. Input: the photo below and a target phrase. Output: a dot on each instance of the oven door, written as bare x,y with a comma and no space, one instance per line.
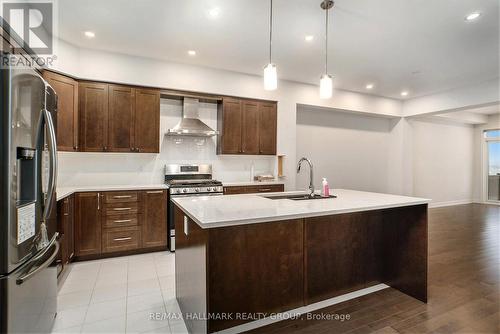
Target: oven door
171,215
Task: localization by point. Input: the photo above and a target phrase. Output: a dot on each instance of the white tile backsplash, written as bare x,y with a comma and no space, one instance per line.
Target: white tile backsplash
87,169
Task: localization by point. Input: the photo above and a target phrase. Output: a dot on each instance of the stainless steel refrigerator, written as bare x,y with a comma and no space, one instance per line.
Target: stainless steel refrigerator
28,168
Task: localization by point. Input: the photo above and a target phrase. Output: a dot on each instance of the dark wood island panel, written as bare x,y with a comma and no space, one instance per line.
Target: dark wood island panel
278,266
352,251
341,254
255,268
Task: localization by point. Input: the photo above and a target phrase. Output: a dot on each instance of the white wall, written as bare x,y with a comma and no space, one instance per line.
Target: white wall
443,161
419,157
352,151
96,65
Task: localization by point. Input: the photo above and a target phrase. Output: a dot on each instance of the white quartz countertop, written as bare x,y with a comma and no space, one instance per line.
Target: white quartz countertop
63,192
229,210
251,183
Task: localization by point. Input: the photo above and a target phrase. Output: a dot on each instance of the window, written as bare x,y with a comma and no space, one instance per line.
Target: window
492,134
492,138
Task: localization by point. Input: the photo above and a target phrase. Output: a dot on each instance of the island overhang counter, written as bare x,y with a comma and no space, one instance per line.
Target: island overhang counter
239,256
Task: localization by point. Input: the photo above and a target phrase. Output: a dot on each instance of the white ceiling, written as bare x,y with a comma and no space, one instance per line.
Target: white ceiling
420,46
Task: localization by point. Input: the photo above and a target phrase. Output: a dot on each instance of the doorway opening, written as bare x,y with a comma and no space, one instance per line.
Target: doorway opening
492,163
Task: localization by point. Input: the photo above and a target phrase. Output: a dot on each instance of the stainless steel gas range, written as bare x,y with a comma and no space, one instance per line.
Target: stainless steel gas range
187,180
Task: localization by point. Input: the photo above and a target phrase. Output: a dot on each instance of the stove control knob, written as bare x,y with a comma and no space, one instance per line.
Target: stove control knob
184,190
197,190
178,191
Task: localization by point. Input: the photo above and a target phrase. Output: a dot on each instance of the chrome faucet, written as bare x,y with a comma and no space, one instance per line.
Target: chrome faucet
311,185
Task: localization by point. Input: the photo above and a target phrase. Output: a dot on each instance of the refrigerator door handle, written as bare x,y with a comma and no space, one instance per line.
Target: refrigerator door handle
23,278
53,164
43,252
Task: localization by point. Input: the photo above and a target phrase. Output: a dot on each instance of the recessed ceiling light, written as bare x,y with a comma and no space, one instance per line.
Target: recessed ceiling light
309,38
214,12
89,34
192,53
472,16
404,93
369,86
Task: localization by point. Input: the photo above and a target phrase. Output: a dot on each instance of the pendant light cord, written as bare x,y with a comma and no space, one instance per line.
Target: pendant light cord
326,40
270,32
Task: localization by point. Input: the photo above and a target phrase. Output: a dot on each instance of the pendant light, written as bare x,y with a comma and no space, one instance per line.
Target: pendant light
326,82
270,73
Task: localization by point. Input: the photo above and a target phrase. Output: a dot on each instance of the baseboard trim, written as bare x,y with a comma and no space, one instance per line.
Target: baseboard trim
450,203
301,310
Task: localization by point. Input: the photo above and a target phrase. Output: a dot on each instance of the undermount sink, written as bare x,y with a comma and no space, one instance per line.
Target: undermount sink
300,197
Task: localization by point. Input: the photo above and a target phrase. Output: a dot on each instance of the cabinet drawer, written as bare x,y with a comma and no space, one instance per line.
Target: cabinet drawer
120,239
271,188
121,220
234,190
266,188
121,197
121,208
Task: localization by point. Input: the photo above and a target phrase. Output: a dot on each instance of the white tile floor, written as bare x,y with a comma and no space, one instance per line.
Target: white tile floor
117,295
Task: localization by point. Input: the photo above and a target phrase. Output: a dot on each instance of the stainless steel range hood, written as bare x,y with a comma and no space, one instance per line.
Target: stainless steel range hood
190,124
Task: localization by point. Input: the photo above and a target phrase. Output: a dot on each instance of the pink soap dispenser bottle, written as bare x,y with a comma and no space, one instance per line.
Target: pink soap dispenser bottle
325,190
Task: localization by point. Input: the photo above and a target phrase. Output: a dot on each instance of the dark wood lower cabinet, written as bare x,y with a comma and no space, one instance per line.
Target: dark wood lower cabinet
88,214
154,227
65,227
278,266
114,222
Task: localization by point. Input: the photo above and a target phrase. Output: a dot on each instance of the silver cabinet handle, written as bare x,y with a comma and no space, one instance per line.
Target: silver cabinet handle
154,192
122,196
122,239
122,209
186,225
98,201
122,221
265,189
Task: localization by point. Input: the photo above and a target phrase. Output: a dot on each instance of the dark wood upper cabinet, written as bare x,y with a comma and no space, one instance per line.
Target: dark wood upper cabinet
88,208
115,118
121,118
67,110
230,122
247,127
147,121
93,110
154,226
250,127
268,118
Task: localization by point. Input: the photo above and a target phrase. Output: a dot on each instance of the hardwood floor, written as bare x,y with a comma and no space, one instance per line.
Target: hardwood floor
464,285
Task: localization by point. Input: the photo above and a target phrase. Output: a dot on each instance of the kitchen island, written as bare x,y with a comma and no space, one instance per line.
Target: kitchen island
240,257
